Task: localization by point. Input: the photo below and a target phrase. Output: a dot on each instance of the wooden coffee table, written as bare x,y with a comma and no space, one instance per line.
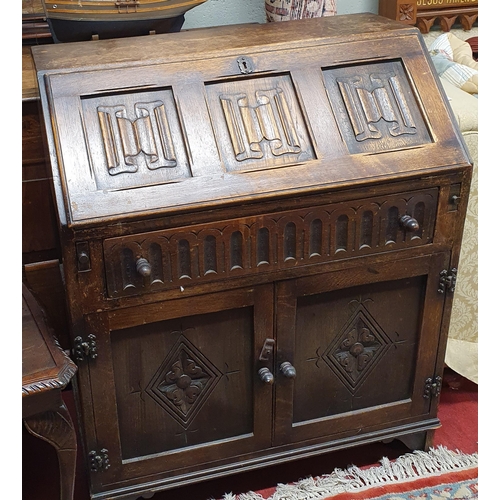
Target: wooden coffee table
46,372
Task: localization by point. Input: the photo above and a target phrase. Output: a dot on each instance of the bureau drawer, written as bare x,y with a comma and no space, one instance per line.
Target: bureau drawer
173,258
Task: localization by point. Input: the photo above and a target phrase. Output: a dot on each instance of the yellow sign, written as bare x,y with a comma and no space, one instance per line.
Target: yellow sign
445,3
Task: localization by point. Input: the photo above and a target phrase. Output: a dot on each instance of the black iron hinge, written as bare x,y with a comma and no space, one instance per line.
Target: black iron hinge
447,280
98,460
85,348
432,387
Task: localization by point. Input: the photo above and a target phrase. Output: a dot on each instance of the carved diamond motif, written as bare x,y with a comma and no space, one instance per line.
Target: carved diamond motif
355,352
184,381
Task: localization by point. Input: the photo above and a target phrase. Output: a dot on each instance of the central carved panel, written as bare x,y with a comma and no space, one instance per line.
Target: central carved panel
258,122
253,119
354,353
184,381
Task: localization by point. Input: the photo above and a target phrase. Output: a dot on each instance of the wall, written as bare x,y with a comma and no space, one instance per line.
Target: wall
217,12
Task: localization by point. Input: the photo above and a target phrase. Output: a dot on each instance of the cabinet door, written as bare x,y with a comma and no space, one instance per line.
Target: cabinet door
175,385
362,342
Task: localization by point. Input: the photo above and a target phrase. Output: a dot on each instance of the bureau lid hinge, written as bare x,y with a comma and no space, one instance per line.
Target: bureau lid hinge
447,280
432,387
98,460
85,348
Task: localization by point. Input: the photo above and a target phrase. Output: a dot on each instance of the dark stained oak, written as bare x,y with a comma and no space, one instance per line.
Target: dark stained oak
259,228
41,249
46,372
40,239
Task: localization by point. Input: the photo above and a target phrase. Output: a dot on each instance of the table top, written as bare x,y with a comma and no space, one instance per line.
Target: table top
30,85
45,365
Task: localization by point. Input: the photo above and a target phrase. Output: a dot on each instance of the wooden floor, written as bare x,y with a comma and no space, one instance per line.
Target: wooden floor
458,413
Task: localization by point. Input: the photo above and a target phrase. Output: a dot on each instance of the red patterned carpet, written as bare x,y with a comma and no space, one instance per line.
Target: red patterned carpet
461,485
439,474
458,413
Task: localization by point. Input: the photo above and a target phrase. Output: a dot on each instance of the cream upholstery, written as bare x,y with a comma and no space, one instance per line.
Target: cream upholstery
462,347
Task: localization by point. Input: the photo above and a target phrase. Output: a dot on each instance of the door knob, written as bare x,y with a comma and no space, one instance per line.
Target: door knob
288,370
266,376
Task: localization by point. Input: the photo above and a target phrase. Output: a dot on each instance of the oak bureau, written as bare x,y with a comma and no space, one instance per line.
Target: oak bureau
260,228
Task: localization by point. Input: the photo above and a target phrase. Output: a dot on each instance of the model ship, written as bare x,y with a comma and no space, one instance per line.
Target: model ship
121,10
80,20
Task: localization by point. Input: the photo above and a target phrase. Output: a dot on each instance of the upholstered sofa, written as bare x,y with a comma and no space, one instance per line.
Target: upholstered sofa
462,347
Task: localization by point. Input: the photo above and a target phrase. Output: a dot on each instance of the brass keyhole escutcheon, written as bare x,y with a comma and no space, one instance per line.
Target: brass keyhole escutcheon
245,65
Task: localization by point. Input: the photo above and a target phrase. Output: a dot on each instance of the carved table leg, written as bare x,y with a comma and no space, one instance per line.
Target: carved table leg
56,427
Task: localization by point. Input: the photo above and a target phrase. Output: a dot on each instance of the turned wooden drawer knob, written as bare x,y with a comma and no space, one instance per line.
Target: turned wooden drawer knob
266,376
143,267
288,370
408,223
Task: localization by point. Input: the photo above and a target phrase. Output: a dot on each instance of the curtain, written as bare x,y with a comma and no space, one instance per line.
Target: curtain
286,10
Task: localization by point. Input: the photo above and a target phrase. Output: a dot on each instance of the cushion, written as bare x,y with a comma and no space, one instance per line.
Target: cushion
462,52
454,62
464,106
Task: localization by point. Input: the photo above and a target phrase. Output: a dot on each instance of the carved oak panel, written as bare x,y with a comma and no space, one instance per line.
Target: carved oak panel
184,381
354,353
375,107
135,139
173,376
259,123
347,341
209,252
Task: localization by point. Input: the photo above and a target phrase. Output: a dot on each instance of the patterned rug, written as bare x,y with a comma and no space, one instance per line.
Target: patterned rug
439,474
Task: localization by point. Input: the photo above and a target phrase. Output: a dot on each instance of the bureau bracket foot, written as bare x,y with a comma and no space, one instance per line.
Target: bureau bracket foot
418,441
137,496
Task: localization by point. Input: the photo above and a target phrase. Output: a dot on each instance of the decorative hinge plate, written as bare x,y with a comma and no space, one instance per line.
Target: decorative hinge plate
87,348
98,460
447,280
432,387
